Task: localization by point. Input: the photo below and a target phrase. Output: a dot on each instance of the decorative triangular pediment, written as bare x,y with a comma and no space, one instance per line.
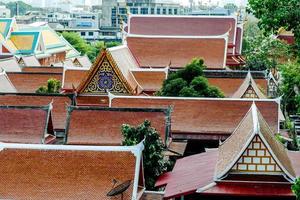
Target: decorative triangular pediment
253,149
256,159
104,76
249,89
250,93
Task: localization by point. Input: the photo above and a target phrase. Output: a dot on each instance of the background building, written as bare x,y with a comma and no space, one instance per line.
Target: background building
114,13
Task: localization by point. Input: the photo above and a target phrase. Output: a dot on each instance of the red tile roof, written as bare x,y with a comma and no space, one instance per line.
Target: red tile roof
251,190
24,124
43,69
102,126
73,77
60,102
183,180
203,117
230,85
189,25
27,82
150,80
67,172
176,52
239,40
92,100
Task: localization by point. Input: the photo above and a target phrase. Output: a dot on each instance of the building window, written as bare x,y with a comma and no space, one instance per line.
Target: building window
144,11
82,33
158,11
170,11
175,11
122,10
164,11
91,33
152,11
134,10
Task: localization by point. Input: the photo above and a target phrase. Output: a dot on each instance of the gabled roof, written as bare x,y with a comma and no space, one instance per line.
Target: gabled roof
10,65
107,74
35,171
73,76
82,61
29,61
29,82
193,117
248,83
43,69
253,124
151,80
23,42
5,83
102,126
177,51
189,25
59,103
5,26
229,86
25,124
183,179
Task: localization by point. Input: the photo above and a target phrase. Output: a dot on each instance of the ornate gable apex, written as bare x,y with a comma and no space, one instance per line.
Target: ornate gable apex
105,75
249,89
253,149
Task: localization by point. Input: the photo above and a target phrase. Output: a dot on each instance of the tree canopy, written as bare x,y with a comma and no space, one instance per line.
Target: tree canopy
90,49
189,82
53,86
290,86
153,159
261,51
274,14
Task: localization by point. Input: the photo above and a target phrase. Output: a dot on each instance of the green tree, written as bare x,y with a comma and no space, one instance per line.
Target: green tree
189,82
263,52
153,159
53,86
77,42
90,49
296,188
290,86
274,14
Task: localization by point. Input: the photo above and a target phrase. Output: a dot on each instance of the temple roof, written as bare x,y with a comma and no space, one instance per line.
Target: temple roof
177,51
43,69
253,124
25,124
82,61
151,80
59,103
189,25
188,120
102,126
29,82
248,82
111,72
29,61
69,172
213,165
72,77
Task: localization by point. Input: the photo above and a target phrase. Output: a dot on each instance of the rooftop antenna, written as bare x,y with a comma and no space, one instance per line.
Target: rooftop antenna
119,189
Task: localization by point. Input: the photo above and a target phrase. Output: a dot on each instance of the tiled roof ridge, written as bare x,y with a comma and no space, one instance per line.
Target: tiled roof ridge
257,119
